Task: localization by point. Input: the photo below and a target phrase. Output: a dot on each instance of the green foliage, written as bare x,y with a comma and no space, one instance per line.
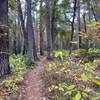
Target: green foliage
94,52
97,97
60,54
79,53
12,4
70,92
88,71
60,87
68,80
96,63
18,64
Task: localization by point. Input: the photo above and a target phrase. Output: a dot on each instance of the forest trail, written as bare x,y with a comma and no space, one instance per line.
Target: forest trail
33,88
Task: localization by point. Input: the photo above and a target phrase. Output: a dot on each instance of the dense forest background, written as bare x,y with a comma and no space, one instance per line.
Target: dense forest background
58,29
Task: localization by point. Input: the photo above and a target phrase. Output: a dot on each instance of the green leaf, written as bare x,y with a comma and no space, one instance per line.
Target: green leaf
77,96
70,87
68,93
84,77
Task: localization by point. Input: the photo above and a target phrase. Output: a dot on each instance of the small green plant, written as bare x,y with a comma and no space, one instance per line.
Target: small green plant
93,53
63,54
88,71
79,53
68,92
18,64
97,97
67,80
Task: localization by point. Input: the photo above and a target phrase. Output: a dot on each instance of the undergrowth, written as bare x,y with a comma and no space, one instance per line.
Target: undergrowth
18,65
71,80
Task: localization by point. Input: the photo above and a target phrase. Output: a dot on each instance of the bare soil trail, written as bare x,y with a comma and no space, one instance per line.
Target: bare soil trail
33,85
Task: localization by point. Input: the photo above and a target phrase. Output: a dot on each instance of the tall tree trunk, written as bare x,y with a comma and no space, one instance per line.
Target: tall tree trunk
85,29
31,41
14,31
41,30
97,10
18,36
79,23
36,28
4,41
73,21
30,32
53,12
89,11
23,27
93,11
48,28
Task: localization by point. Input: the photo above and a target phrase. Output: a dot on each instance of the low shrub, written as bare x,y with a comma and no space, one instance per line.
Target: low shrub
64,91
60,54
18,65
93,53
79,53
65,81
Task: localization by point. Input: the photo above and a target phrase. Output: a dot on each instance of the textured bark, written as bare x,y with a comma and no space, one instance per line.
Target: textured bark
53,12
79,23
73,21
85,29
23,27
72,24
41,31
48,28
97,10
14,32
94,14
30,32
18,36
4,41
32,55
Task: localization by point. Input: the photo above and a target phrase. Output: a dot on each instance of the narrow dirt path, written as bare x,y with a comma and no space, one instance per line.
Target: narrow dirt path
33,85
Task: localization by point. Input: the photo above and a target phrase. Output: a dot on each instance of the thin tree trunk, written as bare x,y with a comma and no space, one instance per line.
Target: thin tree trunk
73,21
97,10
53,12
23,27
14,31
94,14
48,28
18,36
4,40
41,30
72,24
79,23
85,29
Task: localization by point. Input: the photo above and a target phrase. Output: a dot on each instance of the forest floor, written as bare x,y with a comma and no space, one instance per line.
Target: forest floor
33,85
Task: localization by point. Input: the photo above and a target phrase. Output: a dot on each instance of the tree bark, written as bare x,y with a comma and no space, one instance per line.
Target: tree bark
85,29
4,40
79,23
41,30
53,12
72,24
23,27
73,21
32,55
48,28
